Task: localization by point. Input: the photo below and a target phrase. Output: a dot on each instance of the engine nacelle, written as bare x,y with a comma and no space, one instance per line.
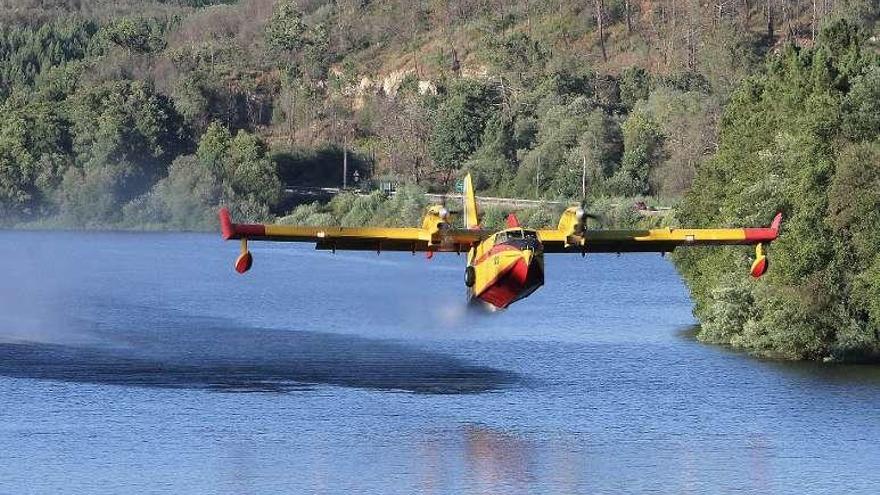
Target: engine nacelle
572,221
436,218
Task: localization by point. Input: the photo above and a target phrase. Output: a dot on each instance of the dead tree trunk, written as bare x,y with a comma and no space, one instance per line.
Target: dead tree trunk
600,21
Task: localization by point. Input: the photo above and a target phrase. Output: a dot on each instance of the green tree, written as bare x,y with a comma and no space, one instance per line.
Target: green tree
306,49
33,148
213,148
286,30
249,171
125,135
459,125
135,35
642,151
793,138
635,85
493,164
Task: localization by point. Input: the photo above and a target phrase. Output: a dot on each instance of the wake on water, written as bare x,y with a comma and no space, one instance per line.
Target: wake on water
200,353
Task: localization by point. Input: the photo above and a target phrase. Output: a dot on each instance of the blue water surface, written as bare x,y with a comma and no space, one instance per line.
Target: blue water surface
141,363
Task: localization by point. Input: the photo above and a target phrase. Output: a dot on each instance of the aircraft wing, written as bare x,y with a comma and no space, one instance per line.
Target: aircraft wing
355,238
652,240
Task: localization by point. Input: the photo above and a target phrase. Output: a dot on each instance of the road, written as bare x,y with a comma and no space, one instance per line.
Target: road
514,203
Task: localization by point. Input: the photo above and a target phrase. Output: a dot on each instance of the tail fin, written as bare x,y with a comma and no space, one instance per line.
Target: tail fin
470,204
512,221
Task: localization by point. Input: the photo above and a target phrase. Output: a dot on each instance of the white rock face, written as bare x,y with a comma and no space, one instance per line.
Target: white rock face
427,88
390,83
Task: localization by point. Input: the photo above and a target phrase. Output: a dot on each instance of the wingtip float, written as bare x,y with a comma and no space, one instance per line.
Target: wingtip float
505,266
762,235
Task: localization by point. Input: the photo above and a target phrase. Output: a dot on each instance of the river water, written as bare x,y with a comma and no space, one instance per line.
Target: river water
141,363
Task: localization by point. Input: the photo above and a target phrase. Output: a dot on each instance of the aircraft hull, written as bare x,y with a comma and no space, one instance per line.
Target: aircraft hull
520,280
506,268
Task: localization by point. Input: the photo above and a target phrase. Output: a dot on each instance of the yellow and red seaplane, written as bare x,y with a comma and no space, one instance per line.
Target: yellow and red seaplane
505,266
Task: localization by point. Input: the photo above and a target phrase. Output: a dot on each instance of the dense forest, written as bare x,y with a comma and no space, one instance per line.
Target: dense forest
150,114
802,137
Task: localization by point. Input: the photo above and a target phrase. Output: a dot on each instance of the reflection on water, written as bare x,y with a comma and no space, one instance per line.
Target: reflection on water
199,353
497,458
489,460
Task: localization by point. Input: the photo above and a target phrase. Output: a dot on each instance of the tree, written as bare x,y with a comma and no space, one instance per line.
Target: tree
214,147
250,172
687,121
600,22
135,35
642,151
33,148
458,126
635,85
285,30
493,164
306,48
404,134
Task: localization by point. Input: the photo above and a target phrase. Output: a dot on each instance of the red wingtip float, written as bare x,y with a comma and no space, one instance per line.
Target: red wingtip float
244,262
229,230
505,266
761,263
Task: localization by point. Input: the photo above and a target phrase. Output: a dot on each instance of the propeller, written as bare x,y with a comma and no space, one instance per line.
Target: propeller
447,213
583,214
439,219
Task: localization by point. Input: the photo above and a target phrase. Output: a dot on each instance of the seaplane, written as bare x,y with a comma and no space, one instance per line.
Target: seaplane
503,266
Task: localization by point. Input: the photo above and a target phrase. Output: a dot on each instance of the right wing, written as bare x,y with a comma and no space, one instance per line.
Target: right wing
413,239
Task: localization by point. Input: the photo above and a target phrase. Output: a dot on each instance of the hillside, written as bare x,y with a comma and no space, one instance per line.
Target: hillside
150,114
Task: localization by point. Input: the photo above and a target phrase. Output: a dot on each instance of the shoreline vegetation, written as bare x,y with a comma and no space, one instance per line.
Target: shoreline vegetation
148,115
801,137
403,209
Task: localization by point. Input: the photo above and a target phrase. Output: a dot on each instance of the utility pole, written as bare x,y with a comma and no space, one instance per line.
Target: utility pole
538,180
344,163
584,178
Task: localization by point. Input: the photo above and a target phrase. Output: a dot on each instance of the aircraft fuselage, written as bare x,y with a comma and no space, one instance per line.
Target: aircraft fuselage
506,267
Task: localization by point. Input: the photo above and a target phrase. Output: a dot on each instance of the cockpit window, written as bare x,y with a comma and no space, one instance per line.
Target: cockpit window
509,235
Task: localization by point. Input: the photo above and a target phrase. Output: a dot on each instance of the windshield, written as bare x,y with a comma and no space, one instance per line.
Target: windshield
515,235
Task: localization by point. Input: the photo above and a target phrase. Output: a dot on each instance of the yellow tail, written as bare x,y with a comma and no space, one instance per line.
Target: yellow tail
470,204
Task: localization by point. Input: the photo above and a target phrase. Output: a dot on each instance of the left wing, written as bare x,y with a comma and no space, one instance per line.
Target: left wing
651,240
570,237
435,235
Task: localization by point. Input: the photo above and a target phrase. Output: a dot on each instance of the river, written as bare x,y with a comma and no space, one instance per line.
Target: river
142,363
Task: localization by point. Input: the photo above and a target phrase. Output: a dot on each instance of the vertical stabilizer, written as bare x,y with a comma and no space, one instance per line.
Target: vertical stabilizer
470,204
